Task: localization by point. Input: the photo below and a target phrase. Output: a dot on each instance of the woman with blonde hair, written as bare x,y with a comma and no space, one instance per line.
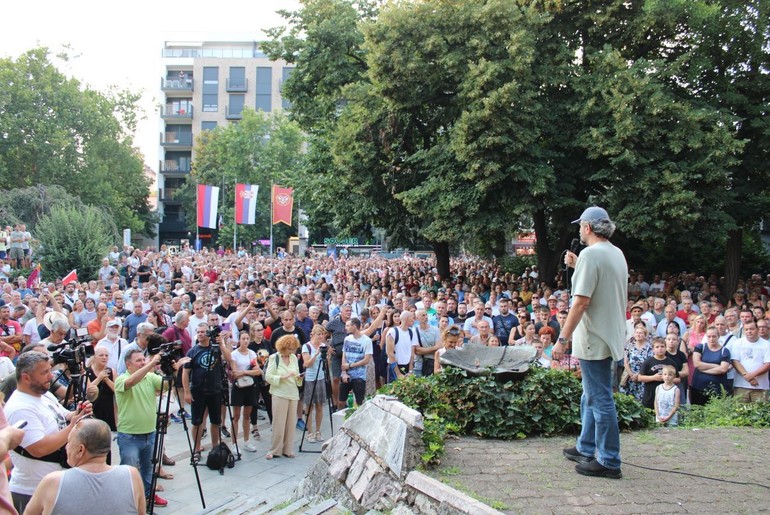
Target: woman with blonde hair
452,338
283,376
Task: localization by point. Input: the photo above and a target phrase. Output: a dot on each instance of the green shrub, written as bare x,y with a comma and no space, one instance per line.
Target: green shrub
632,414
726,411
74,238
543,402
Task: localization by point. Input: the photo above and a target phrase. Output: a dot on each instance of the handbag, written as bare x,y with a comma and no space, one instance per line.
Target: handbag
244,382
624,378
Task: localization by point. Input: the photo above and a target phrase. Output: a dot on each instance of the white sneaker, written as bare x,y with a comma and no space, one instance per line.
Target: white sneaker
311,437
249,446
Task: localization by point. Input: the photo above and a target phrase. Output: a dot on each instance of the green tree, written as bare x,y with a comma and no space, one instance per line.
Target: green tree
74,238
260,149
727,67
53,131
449,119
29,205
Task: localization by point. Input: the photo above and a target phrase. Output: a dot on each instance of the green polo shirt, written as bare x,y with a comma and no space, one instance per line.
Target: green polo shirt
137,405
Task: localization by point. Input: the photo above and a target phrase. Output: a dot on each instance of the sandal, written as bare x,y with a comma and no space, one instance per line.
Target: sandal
255,434
196,457
290,455
159,488
165,475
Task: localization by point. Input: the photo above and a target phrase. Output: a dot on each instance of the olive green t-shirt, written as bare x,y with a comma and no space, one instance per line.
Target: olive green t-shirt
601,274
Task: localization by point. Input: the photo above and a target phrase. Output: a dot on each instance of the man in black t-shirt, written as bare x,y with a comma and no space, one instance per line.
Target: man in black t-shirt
202,381
226,308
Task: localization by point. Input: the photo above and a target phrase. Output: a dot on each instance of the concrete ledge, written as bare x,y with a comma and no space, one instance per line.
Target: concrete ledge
447,495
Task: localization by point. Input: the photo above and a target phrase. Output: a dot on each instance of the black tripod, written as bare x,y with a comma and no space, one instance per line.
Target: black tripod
226,400
161,428
322,366
76,389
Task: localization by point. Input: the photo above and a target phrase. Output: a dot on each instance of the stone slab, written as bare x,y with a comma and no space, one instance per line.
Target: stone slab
447,495
383,433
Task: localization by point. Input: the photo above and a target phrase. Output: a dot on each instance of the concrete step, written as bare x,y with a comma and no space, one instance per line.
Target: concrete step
293,507
323,507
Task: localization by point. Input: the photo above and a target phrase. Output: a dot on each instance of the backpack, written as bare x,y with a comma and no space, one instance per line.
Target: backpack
396,333
220,457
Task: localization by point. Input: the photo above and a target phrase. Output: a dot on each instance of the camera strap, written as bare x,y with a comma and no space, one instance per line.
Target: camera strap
58,456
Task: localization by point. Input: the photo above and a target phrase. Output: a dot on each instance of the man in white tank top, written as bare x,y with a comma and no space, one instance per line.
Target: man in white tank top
119,489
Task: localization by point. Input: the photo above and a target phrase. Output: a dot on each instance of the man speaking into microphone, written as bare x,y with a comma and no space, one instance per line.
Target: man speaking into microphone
596,324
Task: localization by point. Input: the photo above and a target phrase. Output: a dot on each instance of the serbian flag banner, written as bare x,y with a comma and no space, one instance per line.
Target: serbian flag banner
283,201
246,203
208,200
70,277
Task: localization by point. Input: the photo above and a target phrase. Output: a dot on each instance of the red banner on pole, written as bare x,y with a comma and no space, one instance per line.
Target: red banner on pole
283,201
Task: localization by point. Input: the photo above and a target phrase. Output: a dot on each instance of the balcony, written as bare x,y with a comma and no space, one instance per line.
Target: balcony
167,194
176,112
173,166
176,85
176,141
237,85
233,114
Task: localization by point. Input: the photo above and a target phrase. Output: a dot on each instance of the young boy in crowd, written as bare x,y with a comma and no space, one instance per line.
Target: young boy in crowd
667,397
650,373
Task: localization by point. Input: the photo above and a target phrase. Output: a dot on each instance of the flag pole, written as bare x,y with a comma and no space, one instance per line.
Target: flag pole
272,193
197,221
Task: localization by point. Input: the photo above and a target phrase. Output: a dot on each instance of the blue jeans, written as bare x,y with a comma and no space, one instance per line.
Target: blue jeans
136,451
599,435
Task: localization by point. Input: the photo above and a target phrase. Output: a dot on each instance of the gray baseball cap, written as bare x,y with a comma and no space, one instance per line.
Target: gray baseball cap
593,214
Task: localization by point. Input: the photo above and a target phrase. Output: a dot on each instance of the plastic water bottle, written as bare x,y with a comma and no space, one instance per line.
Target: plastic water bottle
350,400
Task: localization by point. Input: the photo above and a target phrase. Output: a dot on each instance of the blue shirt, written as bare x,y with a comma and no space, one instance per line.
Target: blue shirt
355,349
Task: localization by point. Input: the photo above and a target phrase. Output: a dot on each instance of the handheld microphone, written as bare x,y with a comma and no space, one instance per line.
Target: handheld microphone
575,246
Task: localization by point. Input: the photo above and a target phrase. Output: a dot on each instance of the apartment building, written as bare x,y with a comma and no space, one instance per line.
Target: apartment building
204,85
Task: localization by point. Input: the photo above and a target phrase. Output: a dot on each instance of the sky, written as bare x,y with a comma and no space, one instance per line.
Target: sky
119,43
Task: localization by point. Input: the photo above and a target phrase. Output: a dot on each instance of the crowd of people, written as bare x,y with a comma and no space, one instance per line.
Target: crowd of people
252,332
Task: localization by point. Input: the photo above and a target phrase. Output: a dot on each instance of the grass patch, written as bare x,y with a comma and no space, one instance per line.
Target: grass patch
451,471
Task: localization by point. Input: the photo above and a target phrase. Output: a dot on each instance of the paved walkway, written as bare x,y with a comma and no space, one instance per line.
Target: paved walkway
531,476
253,476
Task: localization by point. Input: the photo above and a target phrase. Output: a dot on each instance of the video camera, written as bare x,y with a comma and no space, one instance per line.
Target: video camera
73,352
169,352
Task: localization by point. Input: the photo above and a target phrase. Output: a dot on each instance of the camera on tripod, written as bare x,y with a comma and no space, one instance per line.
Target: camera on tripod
169,352
73,352
324,350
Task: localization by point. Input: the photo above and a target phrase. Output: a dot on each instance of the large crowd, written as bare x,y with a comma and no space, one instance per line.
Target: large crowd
252,332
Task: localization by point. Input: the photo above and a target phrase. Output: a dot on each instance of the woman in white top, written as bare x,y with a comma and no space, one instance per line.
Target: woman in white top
244,392
314,395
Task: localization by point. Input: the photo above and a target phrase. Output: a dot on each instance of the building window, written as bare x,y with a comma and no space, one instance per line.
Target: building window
208,126
287,71
235,107
264,89
210,89
237,80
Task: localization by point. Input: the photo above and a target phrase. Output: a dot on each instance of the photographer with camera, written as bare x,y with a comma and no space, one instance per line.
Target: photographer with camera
48,425
117,489
202,381
135,392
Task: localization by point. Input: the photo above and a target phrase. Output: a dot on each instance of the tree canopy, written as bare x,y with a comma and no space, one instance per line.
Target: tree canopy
55,131
464,121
